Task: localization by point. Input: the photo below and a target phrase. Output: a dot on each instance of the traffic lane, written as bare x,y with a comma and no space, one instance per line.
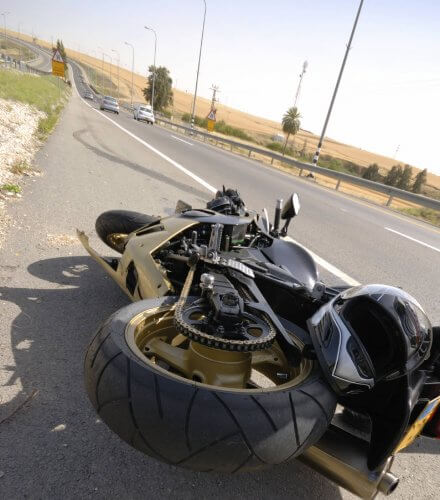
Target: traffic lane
362,248
363,210
349,244
325,274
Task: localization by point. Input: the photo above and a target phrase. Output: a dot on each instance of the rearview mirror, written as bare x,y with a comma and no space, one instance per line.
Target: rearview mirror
291,207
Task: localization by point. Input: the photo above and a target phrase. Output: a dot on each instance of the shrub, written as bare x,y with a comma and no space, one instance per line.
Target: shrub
226,129
12,188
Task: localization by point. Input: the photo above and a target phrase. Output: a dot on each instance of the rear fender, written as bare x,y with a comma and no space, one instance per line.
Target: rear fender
137,273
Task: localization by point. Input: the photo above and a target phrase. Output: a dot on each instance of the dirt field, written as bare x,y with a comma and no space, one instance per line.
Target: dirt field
257,126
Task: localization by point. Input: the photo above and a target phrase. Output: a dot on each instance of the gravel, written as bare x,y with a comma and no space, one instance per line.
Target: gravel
18,144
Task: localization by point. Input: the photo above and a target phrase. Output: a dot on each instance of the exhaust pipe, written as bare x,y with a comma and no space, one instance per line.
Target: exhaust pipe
342,458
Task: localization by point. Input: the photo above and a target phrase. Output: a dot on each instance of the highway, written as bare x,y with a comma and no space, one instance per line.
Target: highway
43,60
53,296
368,243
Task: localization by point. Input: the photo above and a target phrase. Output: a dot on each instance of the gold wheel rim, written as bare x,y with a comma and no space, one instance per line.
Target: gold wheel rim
152,337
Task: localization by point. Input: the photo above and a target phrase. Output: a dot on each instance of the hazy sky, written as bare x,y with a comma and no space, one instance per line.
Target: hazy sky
254,50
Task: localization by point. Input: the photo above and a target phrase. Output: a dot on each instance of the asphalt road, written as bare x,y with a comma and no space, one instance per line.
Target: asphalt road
43,60
53,296
369,243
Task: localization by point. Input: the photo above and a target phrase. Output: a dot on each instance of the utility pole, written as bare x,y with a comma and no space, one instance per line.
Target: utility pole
198,68
301,76
215,89
318,149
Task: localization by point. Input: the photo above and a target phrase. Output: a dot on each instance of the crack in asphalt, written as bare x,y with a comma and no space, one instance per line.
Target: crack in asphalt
78,135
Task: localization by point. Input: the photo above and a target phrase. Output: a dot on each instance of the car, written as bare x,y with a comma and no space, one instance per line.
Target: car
144,112
110,104
89,95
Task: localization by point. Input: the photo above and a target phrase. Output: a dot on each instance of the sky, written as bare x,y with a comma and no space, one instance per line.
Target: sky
389,98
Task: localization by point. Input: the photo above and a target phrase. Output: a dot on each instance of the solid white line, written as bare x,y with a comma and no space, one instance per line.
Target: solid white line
413,239
319,260
326,265
151,148
182,140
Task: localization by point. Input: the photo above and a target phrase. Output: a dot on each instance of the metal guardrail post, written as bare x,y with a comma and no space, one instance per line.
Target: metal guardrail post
249,154
300,172
390,200
338,184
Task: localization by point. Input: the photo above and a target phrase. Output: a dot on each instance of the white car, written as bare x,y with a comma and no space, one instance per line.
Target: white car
144,112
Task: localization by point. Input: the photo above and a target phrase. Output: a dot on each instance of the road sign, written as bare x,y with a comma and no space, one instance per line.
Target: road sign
211,125
211,115
57,64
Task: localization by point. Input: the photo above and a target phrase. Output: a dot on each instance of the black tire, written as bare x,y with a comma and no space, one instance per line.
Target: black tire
120,222
196,426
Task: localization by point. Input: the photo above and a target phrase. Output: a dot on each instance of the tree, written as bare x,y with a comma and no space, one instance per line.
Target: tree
405,178
290,124
163,93
393,175
372,173
420,181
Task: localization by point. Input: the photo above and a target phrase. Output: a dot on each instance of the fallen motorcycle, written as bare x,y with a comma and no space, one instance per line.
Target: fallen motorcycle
233,355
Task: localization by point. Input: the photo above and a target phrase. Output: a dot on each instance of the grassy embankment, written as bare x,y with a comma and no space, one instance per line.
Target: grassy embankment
44,93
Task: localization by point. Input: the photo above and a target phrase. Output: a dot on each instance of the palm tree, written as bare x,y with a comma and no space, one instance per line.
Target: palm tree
290,124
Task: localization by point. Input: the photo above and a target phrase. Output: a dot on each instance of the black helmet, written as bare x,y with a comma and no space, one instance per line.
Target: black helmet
367,334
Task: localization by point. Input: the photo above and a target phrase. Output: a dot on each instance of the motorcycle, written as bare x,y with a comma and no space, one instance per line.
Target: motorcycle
213,366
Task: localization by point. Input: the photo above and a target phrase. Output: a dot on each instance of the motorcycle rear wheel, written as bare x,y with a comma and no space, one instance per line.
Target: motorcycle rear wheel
188,423
113,226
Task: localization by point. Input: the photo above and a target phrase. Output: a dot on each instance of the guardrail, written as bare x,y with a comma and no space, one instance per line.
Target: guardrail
8,63
390,191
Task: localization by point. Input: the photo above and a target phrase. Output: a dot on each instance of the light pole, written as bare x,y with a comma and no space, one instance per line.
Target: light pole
119,63
102,77
198,67
102,69
318,149
154,64
132,70
110,72
4,14
93,51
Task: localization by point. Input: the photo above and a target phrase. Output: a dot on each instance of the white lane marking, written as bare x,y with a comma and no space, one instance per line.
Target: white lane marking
151,148
326,265
413,239
319,260
343,209
182,140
